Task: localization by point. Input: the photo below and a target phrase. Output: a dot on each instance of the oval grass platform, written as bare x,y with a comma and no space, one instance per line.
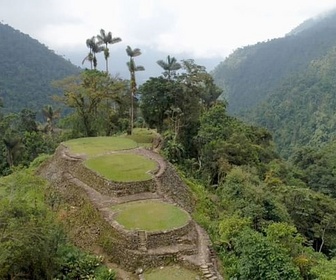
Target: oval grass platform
150,215
92,146
123,167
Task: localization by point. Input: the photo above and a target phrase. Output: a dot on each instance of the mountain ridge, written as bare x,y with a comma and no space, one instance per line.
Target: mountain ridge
250,73
27,70
286,85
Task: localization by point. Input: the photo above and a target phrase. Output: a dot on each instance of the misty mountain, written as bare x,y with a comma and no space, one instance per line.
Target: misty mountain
251,73
27,69
287,85
319,22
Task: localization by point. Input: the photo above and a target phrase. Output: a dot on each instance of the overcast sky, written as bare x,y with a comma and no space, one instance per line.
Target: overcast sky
203,29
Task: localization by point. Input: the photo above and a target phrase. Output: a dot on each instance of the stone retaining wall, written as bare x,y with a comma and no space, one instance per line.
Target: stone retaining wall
169,181
130,238
111,188
133,259
76,167
169,237
172,185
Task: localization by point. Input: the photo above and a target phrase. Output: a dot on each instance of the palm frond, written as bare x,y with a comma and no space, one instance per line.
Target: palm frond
115,40
162,64
139,68
89,57
133,52
91,42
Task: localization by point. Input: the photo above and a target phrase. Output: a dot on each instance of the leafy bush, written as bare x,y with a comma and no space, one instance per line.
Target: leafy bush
76,265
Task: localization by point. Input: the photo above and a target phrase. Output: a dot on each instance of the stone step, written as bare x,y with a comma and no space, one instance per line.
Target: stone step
142,240
138,196
183,249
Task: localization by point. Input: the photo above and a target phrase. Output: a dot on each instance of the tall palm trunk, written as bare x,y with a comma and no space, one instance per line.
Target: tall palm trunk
133,68
106,38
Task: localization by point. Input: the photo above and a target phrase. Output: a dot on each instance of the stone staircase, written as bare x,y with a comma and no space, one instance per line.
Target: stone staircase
208,272
142,240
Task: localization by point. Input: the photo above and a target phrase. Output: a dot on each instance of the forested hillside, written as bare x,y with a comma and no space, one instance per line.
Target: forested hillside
267,218
250,74
26,70
286,85
301,111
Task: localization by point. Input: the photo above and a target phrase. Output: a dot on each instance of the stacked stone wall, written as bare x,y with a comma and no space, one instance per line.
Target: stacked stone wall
155,239
172,185
111,188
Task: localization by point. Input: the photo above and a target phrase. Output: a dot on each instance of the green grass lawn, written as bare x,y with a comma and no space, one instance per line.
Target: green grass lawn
122,167
150,215
98,145
171,272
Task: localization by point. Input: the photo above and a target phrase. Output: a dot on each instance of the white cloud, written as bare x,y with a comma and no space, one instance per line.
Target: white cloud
201,28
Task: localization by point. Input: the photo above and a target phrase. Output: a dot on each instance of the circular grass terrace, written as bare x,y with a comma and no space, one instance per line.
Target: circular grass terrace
171,272
123,167
150,215
92,146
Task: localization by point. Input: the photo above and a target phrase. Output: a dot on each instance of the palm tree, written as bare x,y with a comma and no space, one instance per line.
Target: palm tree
95,48
107,39
89,43
170,66
133,68
51,115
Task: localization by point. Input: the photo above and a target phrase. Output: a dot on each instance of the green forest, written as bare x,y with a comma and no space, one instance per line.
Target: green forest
251,73
27,68
270,210
286,85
